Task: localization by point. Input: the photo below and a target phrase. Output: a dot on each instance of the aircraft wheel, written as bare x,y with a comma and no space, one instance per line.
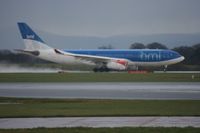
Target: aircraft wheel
165,68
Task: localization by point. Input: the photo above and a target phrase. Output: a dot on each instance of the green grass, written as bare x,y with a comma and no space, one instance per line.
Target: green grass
104,130
80,107
97,77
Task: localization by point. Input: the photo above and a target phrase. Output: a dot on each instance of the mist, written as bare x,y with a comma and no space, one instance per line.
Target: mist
14,68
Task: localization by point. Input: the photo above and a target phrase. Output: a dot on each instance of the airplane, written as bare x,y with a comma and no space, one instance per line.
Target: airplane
101,60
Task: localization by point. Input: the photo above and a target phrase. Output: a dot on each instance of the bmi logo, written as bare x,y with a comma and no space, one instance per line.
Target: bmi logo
30,36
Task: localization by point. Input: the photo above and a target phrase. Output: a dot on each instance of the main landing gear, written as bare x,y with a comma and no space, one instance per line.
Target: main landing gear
165,68
101,69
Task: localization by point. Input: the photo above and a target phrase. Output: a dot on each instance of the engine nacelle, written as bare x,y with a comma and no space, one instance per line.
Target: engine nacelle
117,65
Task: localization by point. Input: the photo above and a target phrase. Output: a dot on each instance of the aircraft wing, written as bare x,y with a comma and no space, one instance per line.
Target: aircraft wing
88,58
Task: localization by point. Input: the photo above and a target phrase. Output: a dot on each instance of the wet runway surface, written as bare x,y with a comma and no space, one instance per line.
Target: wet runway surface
100,122
139,90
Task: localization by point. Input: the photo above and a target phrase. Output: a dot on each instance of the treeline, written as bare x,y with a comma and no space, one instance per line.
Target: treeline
154,45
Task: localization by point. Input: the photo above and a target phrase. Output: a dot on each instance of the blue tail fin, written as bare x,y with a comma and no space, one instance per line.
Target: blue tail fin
28,33
32,41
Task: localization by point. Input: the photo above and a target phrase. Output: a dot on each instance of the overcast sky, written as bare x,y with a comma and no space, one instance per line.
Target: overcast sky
103,17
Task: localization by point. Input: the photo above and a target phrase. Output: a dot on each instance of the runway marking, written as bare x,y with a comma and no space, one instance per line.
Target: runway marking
15,123
149,121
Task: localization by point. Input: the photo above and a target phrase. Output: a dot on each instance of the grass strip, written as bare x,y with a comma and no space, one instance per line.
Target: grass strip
98,77
26,107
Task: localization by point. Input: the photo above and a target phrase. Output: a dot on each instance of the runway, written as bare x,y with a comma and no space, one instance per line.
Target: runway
95,122
139,90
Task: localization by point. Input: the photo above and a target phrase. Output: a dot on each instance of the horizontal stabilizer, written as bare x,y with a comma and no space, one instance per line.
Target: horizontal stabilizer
35,53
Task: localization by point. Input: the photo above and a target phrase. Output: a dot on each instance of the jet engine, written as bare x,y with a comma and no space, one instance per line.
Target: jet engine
117,65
